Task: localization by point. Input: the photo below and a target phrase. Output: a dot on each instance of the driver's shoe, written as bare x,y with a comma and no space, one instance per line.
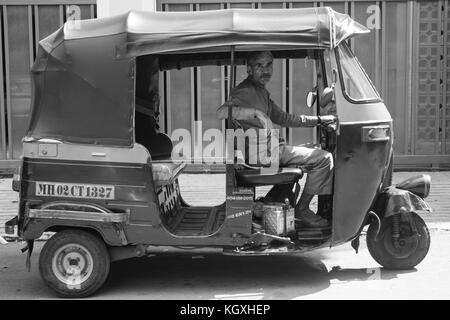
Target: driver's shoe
307,218
325,207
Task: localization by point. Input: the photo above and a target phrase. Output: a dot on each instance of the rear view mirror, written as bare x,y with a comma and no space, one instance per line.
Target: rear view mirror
327,97
311,99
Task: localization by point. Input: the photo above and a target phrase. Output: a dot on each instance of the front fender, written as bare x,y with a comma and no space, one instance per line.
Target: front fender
393,201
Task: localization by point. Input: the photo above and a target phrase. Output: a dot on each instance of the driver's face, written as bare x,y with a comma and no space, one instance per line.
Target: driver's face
261,69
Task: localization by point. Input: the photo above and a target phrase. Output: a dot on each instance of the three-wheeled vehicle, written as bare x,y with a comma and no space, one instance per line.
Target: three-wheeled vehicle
97,172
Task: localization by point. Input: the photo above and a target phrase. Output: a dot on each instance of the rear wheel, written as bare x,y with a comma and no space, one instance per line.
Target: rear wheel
74,263
407,252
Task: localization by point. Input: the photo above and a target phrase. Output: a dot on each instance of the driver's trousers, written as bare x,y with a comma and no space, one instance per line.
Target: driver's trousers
317,163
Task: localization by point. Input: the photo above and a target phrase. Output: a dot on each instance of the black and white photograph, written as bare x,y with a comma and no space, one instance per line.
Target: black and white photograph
224,156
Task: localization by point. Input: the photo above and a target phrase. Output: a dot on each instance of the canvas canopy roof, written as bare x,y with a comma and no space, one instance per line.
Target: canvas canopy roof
83,74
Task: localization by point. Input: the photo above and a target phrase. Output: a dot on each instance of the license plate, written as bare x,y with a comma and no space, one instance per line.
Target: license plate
74,190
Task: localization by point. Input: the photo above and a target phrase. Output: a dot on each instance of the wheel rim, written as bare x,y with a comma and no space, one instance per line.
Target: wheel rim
407,244
72,264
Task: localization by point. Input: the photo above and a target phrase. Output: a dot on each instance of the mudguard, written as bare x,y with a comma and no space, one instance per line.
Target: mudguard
111,233
393,201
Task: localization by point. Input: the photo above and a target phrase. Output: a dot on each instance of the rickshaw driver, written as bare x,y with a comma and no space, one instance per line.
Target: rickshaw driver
252,107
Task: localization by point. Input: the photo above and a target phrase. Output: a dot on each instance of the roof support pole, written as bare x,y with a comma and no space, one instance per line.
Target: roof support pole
232,76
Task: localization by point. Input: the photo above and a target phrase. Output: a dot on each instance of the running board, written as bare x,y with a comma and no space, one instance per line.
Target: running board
305,234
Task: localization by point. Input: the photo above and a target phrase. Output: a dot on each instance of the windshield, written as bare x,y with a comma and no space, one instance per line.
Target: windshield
355,82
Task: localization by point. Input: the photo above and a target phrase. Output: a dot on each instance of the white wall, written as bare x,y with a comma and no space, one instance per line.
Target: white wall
106,8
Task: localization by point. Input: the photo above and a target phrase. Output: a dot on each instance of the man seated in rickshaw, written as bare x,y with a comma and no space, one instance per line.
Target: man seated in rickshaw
252,107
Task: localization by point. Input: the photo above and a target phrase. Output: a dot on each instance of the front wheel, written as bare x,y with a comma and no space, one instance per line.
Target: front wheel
74,263
405,253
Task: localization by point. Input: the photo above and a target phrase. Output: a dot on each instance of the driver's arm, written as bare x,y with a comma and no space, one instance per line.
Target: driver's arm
284,119
238,113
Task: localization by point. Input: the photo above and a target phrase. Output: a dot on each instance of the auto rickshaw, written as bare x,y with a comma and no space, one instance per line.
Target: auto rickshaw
97,172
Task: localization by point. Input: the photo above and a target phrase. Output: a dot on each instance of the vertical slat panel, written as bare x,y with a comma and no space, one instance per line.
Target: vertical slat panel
61,14
350,10
276,85
92,9
270,5
209,88
409,92
241,71
85,11
446,95
365,46
377,49
30,35
302,4
17,53
36,27
242,5
180,91
2,100
300,83
427,126
414,80
47,22
337,6
440,116
396,70
383,50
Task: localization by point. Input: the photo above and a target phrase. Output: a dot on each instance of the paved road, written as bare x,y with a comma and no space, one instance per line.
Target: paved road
336,273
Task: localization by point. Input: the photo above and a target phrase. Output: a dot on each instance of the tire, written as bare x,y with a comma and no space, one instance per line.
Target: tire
74,263
406,257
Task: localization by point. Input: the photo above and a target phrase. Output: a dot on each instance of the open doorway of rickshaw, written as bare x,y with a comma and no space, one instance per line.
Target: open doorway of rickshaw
296,72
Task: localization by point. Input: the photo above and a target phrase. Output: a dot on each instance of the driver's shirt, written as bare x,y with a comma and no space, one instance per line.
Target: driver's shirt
251,94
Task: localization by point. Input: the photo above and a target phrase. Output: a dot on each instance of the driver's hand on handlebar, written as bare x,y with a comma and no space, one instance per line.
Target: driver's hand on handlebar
328,121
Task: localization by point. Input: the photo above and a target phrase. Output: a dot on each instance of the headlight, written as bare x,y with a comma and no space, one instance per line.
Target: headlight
419,185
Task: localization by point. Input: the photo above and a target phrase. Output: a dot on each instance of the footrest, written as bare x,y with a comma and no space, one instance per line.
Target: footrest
313,233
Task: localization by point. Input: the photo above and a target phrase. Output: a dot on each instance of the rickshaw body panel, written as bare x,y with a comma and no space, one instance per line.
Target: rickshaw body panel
359,170
134,193
360,165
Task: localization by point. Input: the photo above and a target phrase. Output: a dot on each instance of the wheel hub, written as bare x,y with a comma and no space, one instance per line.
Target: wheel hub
72,264
404,246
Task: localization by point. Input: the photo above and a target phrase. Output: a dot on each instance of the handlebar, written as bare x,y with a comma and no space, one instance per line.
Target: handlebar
330,126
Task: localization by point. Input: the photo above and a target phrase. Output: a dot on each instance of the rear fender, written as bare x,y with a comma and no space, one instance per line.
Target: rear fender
58,215
111,233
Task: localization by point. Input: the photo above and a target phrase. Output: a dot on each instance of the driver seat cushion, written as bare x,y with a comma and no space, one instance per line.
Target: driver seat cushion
165,173
255,177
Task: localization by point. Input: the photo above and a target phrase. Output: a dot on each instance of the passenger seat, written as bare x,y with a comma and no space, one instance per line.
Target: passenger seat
165,173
